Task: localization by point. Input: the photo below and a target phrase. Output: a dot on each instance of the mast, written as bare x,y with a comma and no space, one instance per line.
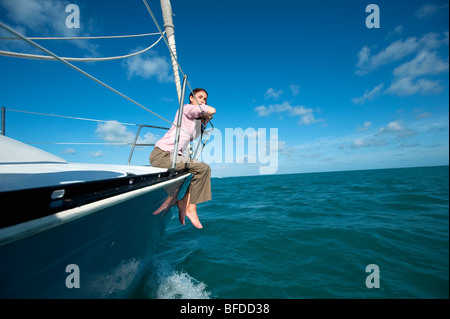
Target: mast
169,28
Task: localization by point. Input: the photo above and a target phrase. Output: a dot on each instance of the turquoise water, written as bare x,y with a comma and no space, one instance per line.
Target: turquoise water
311,236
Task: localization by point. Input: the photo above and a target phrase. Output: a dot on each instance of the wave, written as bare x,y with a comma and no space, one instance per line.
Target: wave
164,282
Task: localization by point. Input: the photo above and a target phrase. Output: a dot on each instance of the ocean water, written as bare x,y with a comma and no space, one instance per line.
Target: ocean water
311,236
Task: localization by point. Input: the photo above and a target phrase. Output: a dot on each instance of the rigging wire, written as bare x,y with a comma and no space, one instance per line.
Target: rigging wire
87,119
81,143
65,60
4,26
80,118
85,37
45,57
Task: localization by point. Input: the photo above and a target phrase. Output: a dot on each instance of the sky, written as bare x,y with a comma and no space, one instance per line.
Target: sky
299,86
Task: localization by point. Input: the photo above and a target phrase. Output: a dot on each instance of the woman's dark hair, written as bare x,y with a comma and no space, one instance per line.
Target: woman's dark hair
195,91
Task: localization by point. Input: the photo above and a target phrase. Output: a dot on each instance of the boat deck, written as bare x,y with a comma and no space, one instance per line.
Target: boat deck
25,167
25,176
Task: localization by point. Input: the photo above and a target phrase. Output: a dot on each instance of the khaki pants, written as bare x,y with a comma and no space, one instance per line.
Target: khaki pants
200,186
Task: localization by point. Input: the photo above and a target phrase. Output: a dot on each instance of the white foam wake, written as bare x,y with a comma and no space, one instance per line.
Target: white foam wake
166,283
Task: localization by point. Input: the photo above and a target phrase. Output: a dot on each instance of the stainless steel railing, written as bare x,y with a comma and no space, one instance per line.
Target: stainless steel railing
200,143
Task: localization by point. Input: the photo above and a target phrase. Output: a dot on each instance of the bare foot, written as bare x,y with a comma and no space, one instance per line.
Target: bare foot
192,215
169,202
182,207
181,213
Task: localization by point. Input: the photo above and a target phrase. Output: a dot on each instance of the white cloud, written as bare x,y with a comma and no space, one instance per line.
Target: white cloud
284,107
407,79
383,136
368,95
148,66
391,127
271,93
96,154
365,127
306,114
45,18
262,110
411,77
148,138
295,89
367,142
306,119
273,108
114,132
369,148
397,30
425,63
359,142
409,86
397,129
396,51
423,115
429,10
69,151
36,15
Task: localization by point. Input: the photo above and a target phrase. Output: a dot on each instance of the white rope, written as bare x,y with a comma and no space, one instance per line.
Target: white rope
84,38
45,57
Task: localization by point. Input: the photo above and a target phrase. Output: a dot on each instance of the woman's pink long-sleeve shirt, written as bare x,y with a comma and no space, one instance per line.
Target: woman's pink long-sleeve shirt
190,128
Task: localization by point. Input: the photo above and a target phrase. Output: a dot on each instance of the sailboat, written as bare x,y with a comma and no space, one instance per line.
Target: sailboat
72,230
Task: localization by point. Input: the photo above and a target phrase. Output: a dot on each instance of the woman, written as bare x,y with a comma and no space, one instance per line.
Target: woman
199,190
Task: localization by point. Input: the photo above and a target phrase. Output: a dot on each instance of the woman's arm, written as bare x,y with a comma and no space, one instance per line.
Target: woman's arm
211,111
198,111
209,115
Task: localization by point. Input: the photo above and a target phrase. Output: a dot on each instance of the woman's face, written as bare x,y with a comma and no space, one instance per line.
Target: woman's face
201,96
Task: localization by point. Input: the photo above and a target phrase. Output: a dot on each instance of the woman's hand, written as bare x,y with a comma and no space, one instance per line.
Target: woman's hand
208,116
211,111
206,119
